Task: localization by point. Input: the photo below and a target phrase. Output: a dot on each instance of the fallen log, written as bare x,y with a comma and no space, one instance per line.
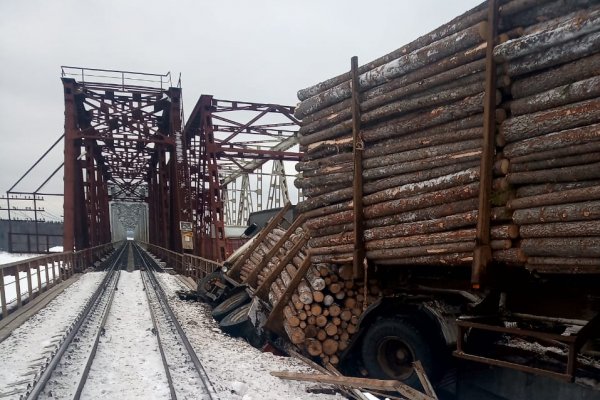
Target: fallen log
588,158
564,197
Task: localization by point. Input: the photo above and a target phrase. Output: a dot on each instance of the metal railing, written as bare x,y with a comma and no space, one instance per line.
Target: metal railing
122,79
22,281
185,264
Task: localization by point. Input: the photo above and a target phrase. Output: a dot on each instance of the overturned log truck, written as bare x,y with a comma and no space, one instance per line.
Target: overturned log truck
452,203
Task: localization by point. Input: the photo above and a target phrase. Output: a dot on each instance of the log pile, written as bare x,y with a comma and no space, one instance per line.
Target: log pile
551,142
323,312
421,124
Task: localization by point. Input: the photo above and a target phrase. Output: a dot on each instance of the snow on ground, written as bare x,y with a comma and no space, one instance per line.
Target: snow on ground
128,363
28,345
7,258
237,370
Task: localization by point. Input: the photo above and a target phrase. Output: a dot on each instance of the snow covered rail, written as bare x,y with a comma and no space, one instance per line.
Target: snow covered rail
169,340
22,281
56,380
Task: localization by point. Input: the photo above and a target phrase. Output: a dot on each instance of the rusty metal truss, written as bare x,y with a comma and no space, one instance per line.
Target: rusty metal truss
229,144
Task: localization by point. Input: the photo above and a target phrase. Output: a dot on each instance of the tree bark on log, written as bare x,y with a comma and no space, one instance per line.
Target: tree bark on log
563,260
585,157
397,253
561,229
577,70
556,55
556,97
464,258
555,141
554,120
584,247
418,58
513,256
421,240
564,174
582,23
534,190
535,159
562,213
564,197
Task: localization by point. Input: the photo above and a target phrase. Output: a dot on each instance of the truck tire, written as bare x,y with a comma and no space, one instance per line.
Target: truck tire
229,304
207,290
236,321
389,348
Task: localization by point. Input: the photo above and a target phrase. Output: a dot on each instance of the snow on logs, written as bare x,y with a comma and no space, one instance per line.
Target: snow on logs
422,124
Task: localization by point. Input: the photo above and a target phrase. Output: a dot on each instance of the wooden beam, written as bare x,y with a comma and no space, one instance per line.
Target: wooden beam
365,383
427,386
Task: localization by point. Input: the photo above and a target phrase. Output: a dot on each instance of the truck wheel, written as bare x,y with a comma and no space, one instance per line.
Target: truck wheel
207,290
236,320
389,348
229,304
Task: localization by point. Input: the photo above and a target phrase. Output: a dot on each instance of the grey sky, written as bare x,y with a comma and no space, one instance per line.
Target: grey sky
261,51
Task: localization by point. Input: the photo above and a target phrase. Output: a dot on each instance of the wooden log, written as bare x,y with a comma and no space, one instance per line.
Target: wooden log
298,305
556,140
563,261
561,229
556,55
536,160
331,329
421,227
417,176
318,296
304,293
534,190
314,347
556,97
584,22
562,247
422,201
562,213
342,121
563,269
334,310
443,182
311,331
419,58
564,174
548,121
443,210
421,240
425,152
531,12
564,197
565,74
459,23
295,334
319,163
333,169
290,316
316,309
396,253
552,163
330,346
454,259
328,300
513,256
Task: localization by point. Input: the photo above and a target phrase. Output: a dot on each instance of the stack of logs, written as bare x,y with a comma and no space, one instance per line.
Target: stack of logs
324,310
422,128
551,142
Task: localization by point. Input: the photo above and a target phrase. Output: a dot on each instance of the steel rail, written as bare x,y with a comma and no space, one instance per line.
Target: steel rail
155,326
163,301
91,304
92,355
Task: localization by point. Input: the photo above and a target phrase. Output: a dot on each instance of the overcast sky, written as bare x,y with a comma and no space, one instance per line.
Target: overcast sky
261,51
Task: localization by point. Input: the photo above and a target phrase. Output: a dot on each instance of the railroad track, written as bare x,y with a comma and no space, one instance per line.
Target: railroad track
181,364
65,372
